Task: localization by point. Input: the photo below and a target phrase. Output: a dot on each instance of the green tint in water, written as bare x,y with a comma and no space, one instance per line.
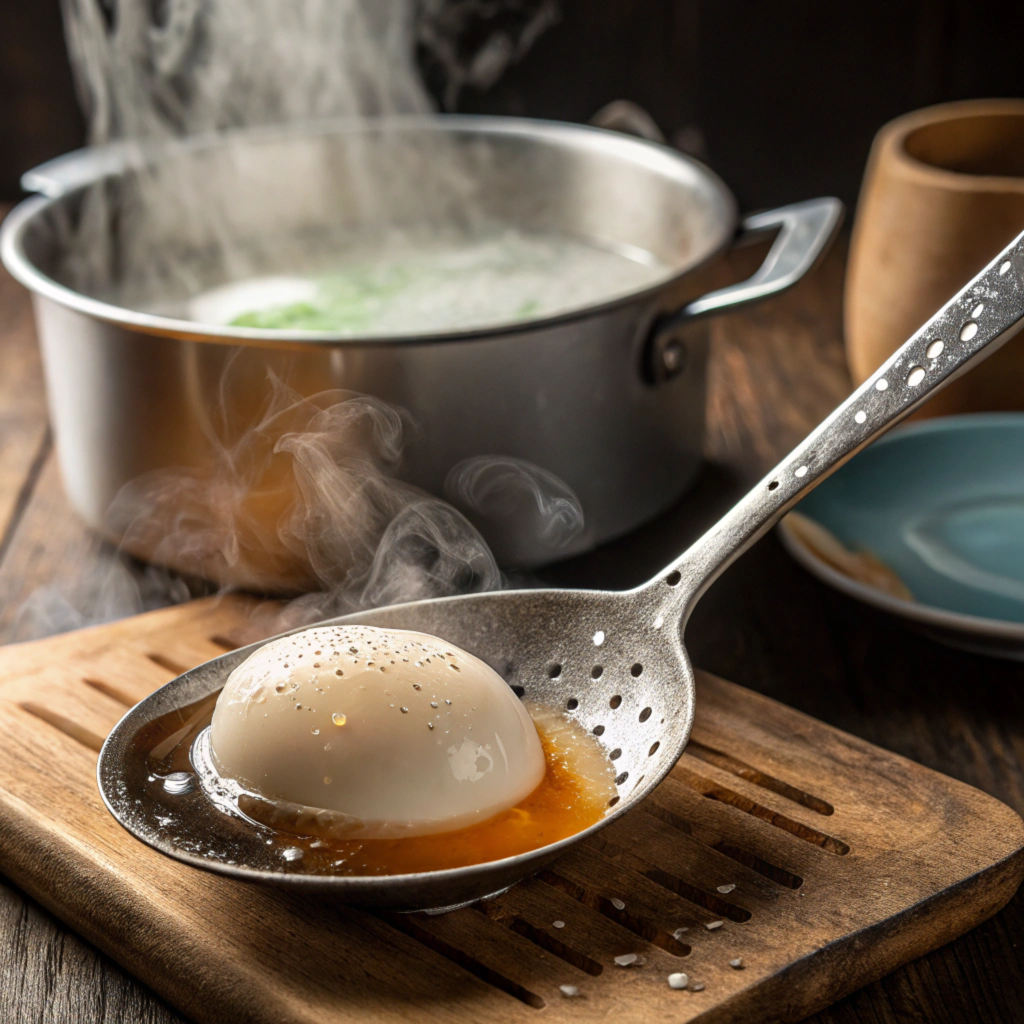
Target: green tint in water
399,286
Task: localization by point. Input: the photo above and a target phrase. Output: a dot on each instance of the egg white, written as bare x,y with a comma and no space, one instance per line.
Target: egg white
389,732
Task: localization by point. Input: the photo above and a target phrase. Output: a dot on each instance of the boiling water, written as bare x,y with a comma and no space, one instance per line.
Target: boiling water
404,285
574,794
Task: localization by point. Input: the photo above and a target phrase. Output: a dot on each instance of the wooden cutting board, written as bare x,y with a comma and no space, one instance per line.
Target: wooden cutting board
817,861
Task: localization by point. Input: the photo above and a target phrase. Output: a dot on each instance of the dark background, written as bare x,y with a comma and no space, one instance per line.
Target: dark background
781,98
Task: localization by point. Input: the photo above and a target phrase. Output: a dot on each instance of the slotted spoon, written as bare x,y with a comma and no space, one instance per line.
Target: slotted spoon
615,662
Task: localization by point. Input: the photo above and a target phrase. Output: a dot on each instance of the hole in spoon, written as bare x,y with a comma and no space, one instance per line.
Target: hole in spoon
773,485
1005,268
572,703
615,702
596,672
554,671
616,754
645,714
968,331
673,578
915,376
620,779
636,670
598,730
654,748
614,800
934,350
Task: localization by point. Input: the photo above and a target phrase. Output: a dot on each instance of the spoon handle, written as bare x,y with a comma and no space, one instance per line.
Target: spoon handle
983,315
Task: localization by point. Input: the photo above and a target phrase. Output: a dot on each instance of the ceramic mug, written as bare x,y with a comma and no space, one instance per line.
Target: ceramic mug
942,194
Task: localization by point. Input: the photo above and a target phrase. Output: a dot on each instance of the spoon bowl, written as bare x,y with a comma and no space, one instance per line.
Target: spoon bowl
613,662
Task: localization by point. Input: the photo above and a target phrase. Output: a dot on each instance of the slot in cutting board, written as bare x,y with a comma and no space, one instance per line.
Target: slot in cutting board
828,862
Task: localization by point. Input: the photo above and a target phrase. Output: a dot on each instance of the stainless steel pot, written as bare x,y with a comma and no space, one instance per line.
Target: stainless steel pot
609,398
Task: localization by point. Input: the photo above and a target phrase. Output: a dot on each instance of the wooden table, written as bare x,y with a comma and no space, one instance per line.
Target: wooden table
775,372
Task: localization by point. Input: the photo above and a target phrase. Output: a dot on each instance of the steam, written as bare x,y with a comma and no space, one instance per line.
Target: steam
306,500
158,70
525,506
305,495
472,43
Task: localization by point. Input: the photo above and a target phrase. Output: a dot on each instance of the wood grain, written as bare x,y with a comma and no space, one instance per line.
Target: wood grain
23,432
844,860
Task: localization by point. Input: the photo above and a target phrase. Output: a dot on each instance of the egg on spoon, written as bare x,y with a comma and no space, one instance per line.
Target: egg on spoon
381,733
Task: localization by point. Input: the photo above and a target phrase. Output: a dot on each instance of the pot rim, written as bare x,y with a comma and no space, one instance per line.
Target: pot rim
598,140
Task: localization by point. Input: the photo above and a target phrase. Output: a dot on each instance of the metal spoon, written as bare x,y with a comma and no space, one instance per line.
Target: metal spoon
548,642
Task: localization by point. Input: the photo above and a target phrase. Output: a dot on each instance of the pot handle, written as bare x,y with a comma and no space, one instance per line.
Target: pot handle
805,232
78,168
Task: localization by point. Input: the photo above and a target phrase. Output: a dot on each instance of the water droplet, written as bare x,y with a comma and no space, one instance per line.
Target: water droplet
404,711
338,718
316,732
430,725
327,780
179,783
433,703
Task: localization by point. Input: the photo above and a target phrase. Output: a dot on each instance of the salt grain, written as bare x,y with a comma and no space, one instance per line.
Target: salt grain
697,986
737,964
569,991
726,888
627,959
557,924
618,904
678,933
678,980
712,925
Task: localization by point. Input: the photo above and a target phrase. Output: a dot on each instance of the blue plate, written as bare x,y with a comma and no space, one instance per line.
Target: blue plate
941,502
